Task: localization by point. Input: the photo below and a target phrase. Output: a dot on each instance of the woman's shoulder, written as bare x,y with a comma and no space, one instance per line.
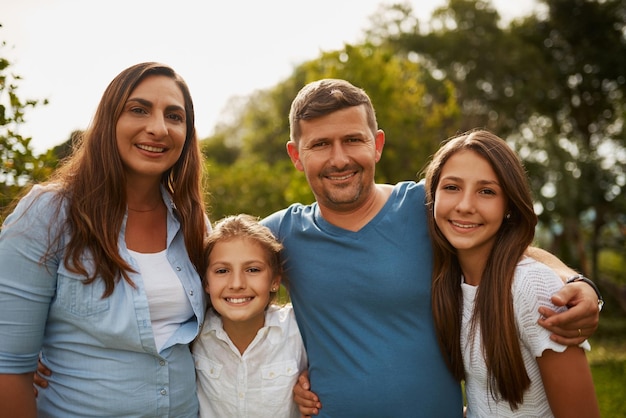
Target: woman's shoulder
39,203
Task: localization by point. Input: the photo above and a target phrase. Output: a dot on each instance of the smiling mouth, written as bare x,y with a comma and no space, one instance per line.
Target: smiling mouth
340,178
464,226
238,300
150,148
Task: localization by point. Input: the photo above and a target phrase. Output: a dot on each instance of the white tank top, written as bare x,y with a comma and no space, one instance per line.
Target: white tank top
168,303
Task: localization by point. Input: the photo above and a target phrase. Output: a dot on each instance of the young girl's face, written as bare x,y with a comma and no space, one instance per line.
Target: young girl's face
239,280
470,205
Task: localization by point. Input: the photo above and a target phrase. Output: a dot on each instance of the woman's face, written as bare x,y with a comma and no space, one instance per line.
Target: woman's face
151,129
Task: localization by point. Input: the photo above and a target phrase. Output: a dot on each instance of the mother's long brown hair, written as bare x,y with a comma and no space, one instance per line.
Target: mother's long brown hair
93,184
494,303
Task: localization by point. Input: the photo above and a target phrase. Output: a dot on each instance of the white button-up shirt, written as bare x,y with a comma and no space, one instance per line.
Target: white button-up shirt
258,383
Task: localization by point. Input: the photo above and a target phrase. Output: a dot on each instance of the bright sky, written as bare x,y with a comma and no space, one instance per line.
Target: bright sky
69,50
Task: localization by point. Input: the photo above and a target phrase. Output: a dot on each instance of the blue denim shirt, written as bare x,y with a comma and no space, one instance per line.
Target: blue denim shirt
101,351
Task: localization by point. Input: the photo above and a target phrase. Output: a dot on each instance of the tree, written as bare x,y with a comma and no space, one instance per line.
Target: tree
554,86
19,166
415,110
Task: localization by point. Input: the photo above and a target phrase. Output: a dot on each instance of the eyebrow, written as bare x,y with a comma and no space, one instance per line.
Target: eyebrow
148,103
460,179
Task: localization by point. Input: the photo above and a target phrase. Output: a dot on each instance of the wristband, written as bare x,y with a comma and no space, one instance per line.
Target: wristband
581,278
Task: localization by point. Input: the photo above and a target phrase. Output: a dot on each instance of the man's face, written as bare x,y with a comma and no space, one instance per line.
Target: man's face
338,154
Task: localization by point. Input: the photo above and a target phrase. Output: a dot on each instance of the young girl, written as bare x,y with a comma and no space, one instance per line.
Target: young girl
249,353
486,293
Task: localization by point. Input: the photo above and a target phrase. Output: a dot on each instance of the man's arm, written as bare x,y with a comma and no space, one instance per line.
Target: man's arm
580,321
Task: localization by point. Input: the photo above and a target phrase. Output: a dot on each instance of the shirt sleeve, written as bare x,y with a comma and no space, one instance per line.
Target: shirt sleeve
27,282
533,287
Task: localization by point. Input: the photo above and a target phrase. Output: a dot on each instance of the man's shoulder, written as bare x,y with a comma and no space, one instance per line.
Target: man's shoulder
404,189
295,210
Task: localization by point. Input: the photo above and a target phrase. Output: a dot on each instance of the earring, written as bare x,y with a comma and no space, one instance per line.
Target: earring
508,215
273,289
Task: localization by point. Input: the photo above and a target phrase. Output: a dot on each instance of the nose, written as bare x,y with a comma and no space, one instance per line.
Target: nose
338,155
465,203
237,281
156,125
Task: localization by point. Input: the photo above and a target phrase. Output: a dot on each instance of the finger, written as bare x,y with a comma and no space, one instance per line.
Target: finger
308,412
583,315
300,393
567,341
39,381
306,399
565,295
43,369
303,380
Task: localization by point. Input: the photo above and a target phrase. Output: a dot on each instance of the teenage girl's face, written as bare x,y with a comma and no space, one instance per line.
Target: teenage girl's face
470,204
151,129
239,281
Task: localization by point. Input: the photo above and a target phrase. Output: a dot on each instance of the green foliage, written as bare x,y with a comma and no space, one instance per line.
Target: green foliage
612,263
608,365
416,111
249,170
18,165
554,86
254,187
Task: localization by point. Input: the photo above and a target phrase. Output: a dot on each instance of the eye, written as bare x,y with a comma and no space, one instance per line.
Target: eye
488,192
353,140
176,116
138,109
253,270
319,144
220,271
450,187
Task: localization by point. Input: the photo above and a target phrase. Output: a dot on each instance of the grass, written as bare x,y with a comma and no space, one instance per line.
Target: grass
608,366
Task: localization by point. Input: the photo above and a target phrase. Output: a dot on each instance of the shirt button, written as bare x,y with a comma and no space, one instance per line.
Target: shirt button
191,293
163,392
178,269
162,362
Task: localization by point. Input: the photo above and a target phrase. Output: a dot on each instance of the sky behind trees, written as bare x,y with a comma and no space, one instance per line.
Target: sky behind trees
67,51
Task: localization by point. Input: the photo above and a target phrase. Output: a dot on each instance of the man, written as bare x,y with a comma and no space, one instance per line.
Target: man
358,263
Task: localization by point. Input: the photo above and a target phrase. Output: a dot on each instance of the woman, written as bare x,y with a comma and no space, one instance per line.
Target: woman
100,264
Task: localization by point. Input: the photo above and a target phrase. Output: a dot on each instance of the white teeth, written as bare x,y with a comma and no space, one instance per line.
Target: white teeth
238,300
464,226
150,148
340,178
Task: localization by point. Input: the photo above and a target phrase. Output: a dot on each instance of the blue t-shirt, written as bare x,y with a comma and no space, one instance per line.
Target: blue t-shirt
362,302
101,351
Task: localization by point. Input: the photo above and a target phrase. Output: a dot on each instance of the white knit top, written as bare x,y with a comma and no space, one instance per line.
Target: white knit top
533,285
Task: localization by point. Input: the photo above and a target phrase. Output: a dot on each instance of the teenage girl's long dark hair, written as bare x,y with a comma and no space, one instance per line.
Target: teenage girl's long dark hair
494,302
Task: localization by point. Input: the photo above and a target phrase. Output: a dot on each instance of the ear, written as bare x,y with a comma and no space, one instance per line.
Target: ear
379,143
294,154
276,283
206,286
